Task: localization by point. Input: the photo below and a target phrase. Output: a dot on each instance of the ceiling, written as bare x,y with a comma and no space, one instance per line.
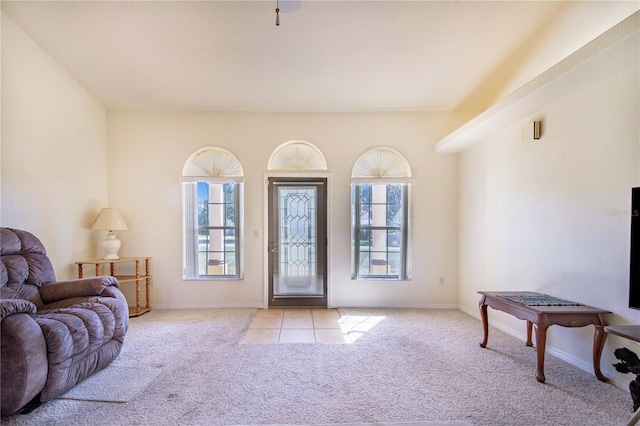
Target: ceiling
325,55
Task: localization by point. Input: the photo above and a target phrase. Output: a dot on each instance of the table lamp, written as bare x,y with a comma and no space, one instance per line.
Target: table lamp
110,219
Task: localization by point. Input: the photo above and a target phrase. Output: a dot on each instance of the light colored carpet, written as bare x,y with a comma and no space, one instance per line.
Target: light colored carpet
410,366
453,423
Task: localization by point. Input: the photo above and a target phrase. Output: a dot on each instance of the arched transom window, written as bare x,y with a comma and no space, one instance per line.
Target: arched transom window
210,163
297,155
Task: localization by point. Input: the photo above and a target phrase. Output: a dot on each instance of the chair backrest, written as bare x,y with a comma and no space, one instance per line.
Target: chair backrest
25,266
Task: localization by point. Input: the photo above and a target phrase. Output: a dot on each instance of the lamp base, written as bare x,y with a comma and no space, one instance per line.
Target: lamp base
111,245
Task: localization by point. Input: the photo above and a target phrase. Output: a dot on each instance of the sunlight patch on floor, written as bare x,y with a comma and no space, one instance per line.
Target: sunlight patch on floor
355,326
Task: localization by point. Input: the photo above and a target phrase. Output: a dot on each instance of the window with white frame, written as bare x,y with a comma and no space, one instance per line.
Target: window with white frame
380,189
212,216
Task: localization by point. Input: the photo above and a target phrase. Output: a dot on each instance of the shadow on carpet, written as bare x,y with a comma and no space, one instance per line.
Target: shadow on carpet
113,384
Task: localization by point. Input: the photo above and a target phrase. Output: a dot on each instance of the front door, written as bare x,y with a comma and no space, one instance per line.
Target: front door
297,242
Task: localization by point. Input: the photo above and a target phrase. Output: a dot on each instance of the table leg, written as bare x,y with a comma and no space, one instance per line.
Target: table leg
137,285
148,281
599,338
529,327
485,321
541,342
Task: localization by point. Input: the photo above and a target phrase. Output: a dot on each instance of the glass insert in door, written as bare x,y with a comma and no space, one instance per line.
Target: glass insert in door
296,272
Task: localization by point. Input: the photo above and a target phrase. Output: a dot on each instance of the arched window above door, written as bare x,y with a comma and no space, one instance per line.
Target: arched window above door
297,155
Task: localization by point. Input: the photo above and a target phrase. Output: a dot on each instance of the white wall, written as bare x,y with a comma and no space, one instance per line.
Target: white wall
550,216
553,216
54,163
147,151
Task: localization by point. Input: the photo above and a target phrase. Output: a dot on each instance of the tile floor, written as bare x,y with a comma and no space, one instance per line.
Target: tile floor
297,326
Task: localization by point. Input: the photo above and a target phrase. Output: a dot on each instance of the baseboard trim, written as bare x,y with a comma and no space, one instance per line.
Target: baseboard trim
396,306
333,306
174,306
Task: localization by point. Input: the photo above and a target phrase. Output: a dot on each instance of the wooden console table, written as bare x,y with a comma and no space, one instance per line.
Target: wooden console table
137,278
542,317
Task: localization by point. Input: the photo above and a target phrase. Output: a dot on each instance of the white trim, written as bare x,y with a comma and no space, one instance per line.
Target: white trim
212,179
173,306
242,305
298,174
265,243
396,305
383,180
189,231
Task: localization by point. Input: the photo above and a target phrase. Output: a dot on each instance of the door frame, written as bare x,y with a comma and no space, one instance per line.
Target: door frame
265,227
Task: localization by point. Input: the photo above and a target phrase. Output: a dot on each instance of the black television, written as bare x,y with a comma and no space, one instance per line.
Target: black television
634,265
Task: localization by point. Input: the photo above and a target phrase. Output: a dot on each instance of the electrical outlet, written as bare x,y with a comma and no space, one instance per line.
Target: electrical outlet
441,280
256,233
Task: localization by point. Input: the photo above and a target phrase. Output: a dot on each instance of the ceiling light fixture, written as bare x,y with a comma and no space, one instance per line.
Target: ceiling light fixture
277,13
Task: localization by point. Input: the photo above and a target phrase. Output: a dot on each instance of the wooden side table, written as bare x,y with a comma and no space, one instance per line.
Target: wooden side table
137,278
544,316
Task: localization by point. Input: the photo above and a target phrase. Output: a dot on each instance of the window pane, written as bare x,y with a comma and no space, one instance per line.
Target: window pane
394,264
380,224
202,263
216,240
230,264
365,193
363,268
365,239
217,234
378,205
230,215
394,238
394,200
229,192
379,240
229,239
365,215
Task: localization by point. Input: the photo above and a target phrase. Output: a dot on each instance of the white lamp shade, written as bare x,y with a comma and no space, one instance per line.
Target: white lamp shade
109,219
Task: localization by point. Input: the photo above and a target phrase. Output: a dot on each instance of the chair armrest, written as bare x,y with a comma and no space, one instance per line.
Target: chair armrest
16,306
84,287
